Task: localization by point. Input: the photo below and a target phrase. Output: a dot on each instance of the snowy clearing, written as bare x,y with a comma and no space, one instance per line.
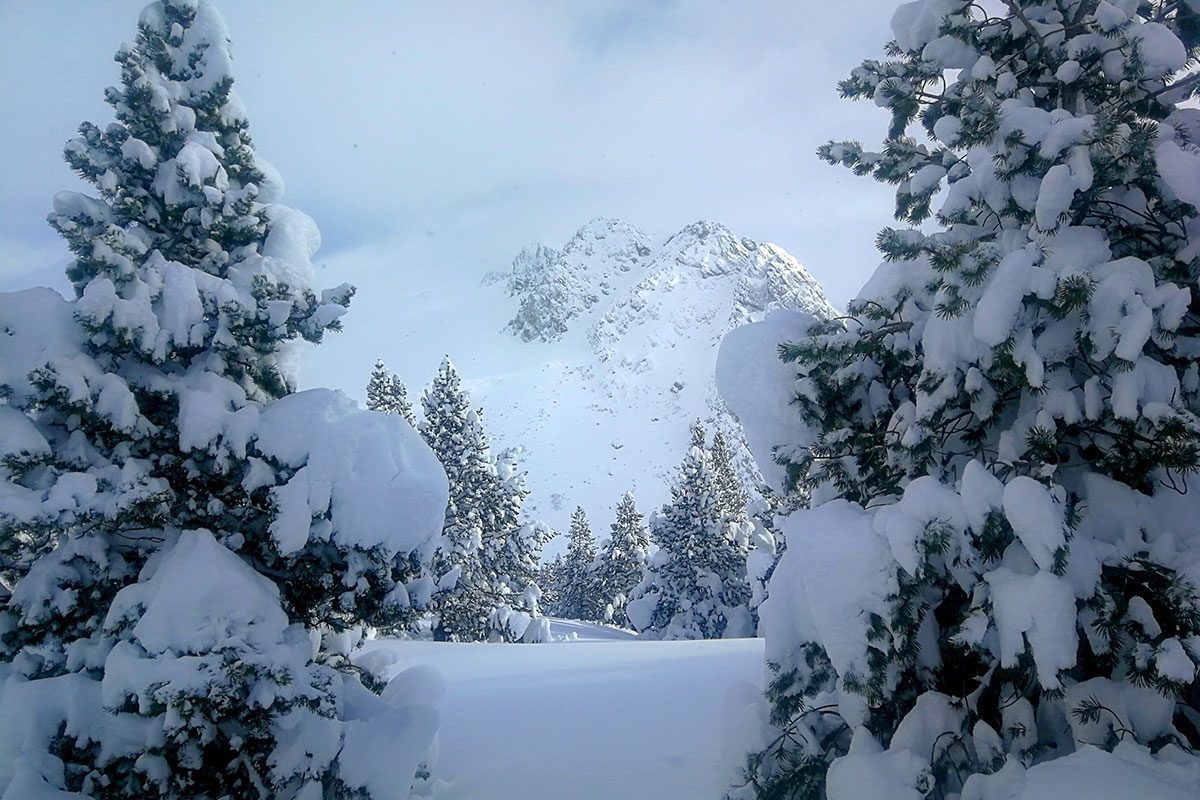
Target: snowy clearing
590,718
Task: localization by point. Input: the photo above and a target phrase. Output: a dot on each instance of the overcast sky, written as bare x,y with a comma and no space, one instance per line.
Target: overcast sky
457,132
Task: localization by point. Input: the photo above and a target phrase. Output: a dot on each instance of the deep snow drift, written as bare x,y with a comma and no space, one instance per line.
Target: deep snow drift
587,719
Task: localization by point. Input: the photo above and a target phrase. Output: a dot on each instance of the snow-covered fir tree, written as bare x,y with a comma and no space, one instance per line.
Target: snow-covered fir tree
621,562
999,569
186,528
731,495
453,431
387,393
512,553
761,539
695,585
578,597
766,546
550,579
484,565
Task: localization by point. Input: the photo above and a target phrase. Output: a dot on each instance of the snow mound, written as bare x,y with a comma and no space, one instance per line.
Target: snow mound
222,596
370,472
756,385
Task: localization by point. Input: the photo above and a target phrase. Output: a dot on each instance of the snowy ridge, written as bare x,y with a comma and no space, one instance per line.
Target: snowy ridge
556,286
627,330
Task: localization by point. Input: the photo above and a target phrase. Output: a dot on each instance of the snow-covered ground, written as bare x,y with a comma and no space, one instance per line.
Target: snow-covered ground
593,718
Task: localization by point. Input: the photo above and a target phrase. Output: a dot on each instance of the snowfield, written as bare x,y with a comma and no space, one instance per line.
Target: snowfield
592,718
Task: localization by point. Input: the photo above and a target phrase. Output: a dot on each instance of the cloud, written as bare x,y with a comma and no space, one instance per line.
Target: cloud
500,123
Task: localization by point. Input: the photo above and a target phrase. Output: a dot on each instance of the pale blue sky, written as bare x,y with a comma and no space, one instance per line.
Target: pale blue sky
462,130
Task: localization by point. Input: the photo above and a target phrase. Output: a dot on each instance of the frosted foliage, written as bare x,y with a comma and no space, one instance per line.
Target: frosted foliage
579,594
197,593
199,609
486,560
177,528
695,585
860,563
758,389
999,441
176,256
623,558
38,328
387,393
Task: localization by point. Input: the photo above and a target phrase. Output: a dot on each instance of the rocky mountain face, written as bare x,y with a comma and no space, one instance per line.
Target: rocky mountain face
555,287
628,329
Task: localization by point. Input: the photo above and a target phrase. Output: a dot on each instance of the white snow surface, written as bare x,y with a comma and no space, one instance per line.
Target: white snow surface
374,474
757,385
225,597
586,719
1088,774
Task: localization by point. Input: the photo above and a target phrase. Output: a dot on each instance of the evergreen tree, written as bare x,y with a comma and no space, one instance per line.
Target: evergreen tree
175,539
578,598
766,546
512,551
455,434
485,566
387,393
513,554
1006,422
695,586
623,558
731,495
550,578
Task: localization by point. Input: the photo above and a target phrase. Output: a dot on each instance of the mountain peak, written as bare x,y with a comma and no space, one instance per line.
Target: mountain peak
529,264
628,329
703,229
610,269
609,236
556,286
600,227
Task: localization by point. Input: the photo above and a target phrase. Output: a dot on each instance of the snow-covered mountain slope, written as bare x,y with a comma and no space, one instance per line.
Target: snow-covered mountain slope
630,329
594,356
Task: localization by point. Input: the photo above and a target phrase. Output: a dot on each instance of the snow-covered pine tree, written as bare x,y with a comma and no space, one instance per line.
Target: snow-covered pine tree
695,585
512,556
766,546
512,552
550,579
999,568
453,431
622,560
730,492
387,393
485,567
759,539
187,528
578,598
378,384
